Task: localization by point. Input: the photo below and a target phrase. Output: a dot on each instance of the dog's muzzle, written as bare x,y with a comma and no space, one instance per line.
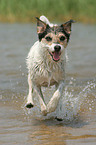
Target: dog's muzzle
56,53
57,48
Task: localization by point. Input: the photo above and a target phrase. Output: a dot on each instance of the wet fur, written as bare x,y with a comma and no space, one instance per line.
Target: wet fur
43,70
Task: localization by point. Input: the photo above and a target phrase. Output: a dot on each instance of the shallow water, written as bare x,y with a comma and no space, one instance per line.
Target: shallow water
77,106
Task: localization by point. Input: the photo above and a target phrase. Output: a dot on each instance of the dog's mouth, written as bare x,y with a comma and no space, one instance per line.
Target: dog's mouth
55,55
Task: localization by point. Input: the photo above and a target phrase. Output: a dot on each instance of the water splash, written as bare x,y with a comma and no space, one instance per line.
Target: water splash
69,106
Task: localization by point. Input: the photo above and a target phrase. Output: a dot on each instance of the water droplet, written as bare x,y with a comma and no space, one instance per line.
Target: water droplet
22,74
90,108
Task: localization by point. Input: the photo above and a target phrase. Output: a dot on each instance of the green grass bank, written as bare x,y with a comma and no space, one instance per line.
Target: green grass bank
58,10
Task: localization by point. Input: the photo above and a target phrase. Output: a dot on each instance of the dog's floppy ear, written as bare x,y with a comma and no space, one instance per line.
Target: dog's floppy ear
41,26
67,26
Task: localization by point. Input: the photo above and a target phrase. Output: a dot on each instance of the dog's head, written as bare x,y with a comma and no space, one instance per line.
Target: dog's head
54,38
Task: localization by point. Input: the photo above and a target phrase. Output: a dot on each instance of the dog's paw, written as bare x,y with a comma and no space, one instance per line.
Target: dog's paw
29,105
44,112
58,119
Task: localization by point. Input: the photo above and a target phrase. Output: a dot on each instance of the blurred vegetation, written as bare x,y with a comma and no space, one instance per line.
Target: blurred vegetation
58,10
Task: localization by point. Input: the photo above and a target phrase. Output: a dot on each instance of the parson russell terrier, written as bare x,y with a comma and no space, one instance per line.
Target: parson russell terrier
46,62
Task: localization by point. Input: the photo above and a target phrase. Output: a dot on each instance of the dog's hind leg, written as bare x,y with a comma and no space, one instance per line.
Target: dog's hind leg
30,103
55,98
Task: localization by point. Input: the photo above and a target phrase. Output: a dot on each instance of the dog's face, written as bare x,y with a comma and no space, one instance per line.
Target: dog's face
55,38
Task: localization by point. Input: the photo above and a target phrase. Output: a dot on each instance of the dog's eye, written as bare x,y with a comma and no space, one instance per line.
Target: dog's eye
48,38
62,38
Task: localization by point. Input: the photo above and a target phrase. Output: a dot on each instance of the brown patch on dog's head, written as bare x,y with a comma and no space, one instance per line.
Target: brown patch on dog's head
55,34
67,26
42,28
55,38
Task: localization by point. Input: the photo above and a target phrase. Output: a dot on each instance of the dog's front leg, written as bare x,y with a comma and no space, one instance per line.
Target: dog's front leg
55,99
30,103
42,102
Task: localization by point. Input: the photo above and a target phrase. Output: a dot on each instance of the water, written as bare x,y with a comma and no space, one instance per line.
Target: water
77,107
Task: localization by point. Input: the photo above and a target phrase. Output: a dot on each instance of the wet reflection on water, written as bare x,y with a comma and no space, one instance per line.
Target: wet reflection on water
77,107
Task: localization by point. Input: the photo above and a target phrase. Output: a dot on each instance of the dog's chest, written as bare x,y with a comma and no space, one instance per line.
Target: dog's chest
47,76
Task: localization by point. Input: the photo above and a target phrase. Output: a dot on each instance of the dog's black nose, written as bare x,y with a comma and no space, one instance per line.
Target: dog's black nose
57,48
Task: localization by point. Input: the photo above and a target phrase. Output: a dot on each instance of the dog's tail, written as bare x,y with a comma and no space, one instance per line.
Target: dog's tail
45,20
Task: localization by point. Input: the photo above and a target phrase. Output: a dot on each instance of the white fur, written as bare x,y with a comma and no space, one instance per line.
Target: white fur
43,71
44,19
51,48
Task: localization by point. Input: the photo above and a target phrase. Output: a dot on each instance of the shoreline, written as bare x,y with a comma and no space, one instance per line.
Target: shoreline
22,11
16,19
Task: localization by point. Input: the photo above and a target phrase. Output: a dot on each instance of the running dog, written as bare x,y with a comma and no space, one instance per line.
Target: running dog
46,62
